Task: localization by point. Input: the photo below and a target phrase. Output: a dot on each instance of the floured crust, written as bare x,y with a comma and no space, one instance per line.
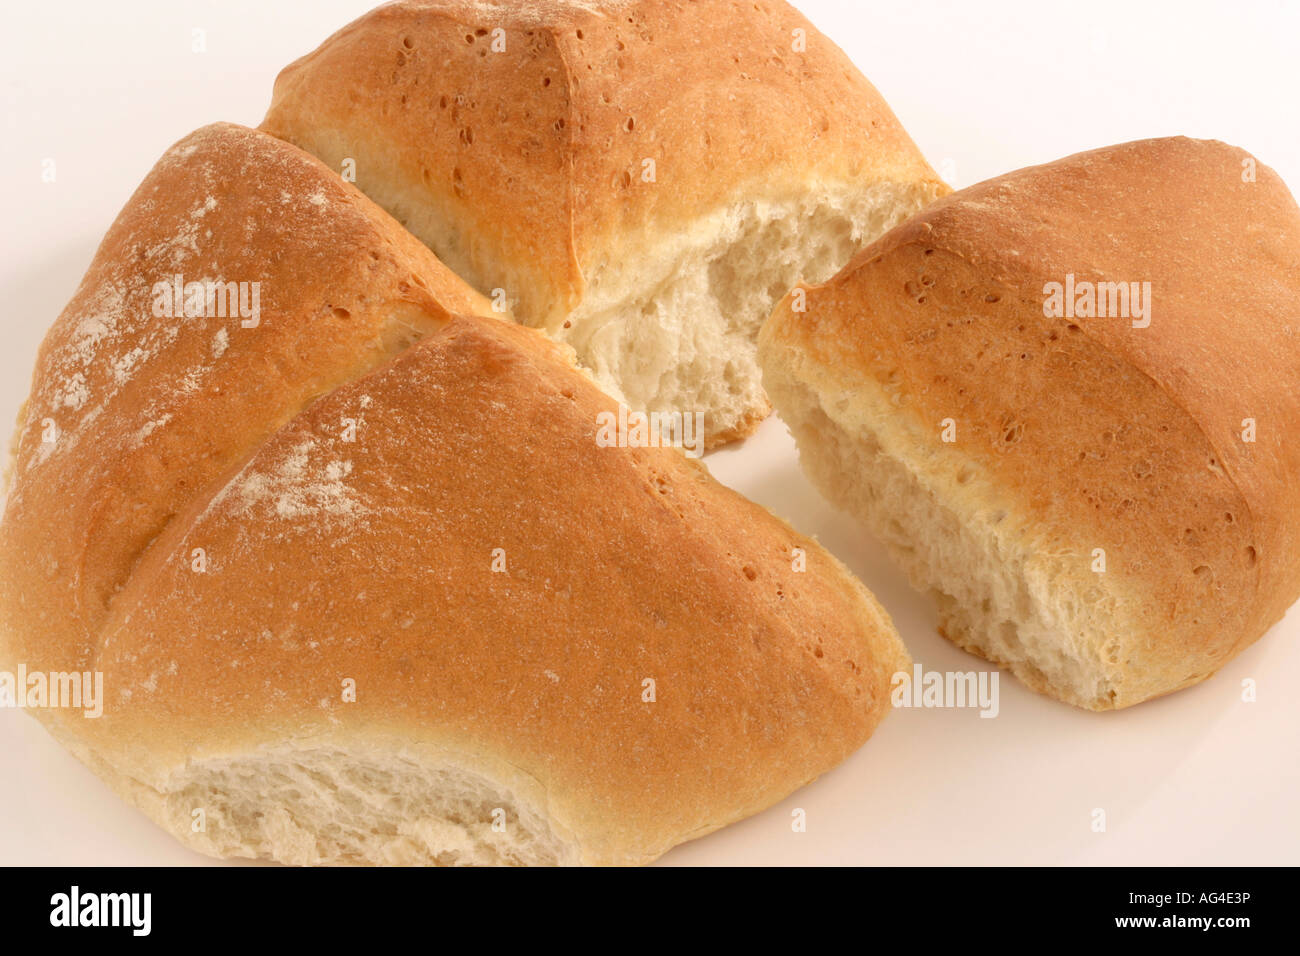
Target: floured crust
542,664
147,410
1104,435
228,534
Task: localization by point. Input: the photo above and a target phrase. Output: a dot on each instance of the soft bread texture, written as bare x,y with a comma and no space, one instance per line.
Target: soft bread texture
643,180
238,527
1071,434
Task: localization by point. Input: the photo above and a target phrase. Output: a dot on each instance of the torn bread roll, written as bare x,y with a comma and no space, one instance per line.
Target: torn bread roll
643,179
363,586
1066,400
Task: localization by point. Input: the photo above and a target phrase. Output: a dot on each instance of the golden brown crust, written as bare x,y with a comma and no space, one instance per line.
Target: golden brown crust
322,558
146,410
536,152
621,565
1109,435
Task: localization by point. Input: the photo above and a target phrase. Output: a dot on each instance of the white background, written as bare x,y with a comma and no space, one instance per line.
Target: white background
1200,777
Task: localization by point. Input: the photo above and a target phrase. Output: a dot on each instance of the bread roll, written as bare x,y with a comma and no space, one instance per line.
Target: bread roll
643,179
362,585
1107,505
